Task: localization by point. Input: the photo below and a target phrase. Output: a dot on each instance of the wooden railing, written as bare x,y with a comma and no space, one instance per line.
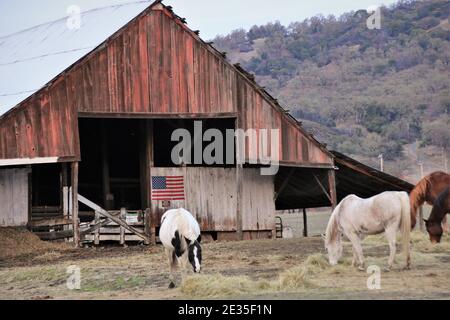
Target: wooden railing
109,218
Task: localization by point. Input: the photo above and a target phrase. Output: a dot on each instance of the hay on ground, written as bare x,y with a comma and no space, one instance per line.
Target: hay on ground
216,285
16,242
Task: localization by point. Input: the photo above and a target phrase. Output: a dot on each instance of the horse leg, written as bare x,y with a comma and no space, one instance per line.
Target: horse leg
184,263
354,257
391,236
445,227
357,249
172,266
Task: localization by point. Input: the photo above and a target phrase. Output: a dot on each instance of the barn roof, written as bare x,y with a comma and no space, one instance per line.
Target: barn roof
84,89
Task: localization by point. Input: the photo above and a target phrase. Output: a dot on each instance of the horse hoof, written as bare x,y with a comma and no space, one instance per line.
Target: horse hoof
361,268
387,269
171,285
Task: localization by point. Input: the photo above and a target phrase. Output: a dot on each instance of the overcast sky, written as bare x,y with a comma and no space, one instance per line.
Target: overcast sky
211,17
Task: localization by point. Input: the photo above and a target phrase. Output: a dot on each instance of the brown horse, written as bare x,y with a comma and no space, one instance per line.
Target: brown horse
440,208
427,190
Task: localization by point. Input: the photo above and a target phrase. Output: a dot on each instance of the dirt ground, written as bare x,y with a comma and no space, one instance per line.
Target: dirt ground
140,272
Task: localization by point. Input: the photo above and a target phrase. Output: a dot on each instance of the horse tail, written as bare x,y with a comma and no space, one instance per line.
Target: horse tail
406,226
417,198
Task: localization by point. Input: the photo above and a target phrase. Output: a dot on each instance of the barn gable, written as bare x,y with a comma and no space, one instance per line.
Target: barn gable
154,67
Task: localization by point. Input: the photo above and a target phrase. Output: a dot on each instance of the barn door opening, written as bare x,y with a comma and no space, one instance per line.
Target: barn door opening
110,167
163,144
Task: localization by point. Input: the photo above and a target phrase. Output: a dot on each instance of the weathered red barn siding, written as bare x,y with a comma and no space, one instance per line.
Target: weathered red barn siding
153,67
44,126
295,146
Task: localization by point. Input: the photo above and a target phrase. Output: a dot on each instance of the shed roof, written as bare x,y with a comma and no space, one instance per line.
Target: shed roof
352,177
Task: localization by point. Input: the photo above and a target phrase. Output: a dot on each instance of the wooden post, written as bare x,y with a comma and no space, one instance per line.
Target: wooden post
153,223
240,159
147,227
97,232
30,193
332,186
122,216
107,201
305,223
75,222
146,162
64,190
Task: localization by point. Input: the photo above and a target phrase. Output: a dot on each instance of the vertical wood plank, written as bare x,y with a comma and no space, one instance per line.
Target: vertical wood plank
75,221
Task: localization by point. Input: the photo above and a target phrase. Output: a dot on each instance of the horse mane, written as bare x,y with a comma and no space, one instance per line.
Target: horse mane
332,231
418,194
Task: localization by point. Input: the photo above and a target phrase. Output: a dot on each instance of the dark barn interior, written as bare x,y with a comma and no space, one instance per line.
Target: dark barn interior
162,144
110,162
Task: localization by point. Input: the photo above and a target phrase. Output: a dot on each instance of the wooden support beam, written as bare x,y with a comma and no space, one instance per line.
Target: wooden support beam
55,235
239,185
332,187
305,223
95,227
49,222
146,161
117,220
64,190
285,183
75,220
30,193
322,187
107,201
147,224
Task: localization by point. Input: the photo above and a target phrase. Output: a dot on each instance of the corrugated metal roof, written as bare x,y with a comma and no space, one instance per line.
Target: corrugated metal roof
30,58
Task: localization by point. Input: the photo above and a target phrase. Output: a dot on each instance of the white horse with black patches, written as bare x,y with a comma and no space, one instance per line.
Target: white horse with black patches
180,235
355,218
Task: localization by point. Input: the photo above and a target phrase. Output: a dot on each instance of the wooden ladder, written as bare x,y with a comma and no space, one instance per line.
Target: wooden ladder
278,227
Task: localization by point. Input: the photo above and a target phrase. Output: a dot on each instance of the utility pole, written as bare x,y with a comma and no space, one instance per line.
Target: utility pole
380,156
420,163
444,160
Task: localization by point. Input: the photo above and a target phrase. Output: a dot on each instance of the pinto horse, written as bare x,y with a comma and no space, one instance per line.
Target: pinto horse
427,190
440,208
180,235
356,217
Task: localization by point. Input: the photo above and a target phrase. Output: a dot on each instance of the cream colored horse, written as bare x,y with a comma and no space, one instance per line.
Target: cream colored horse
355,218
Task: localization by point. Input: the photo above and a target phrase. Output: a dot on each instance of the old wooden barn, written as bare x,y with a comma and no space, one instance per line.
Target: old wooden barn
92,141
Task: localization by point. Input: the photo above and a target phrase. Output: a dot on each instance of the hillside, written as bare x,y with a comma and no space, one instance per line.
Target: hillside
361,91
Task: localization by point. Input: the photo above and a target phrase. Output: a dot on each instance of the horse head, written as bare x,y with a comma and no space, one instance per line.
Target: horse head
195,255
334,250
434,230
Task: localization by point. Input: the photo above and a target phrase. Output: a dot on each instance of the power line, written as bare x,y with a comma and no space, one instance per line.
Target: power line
46,55
17,93
65,18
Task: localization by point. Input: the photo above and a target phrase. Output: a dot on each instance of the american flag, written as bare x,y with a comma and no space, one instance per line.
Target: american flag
168,188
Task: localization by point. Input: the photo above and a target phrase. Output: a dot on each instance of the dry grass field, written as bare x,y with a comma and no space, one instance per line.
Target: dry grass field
262,269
